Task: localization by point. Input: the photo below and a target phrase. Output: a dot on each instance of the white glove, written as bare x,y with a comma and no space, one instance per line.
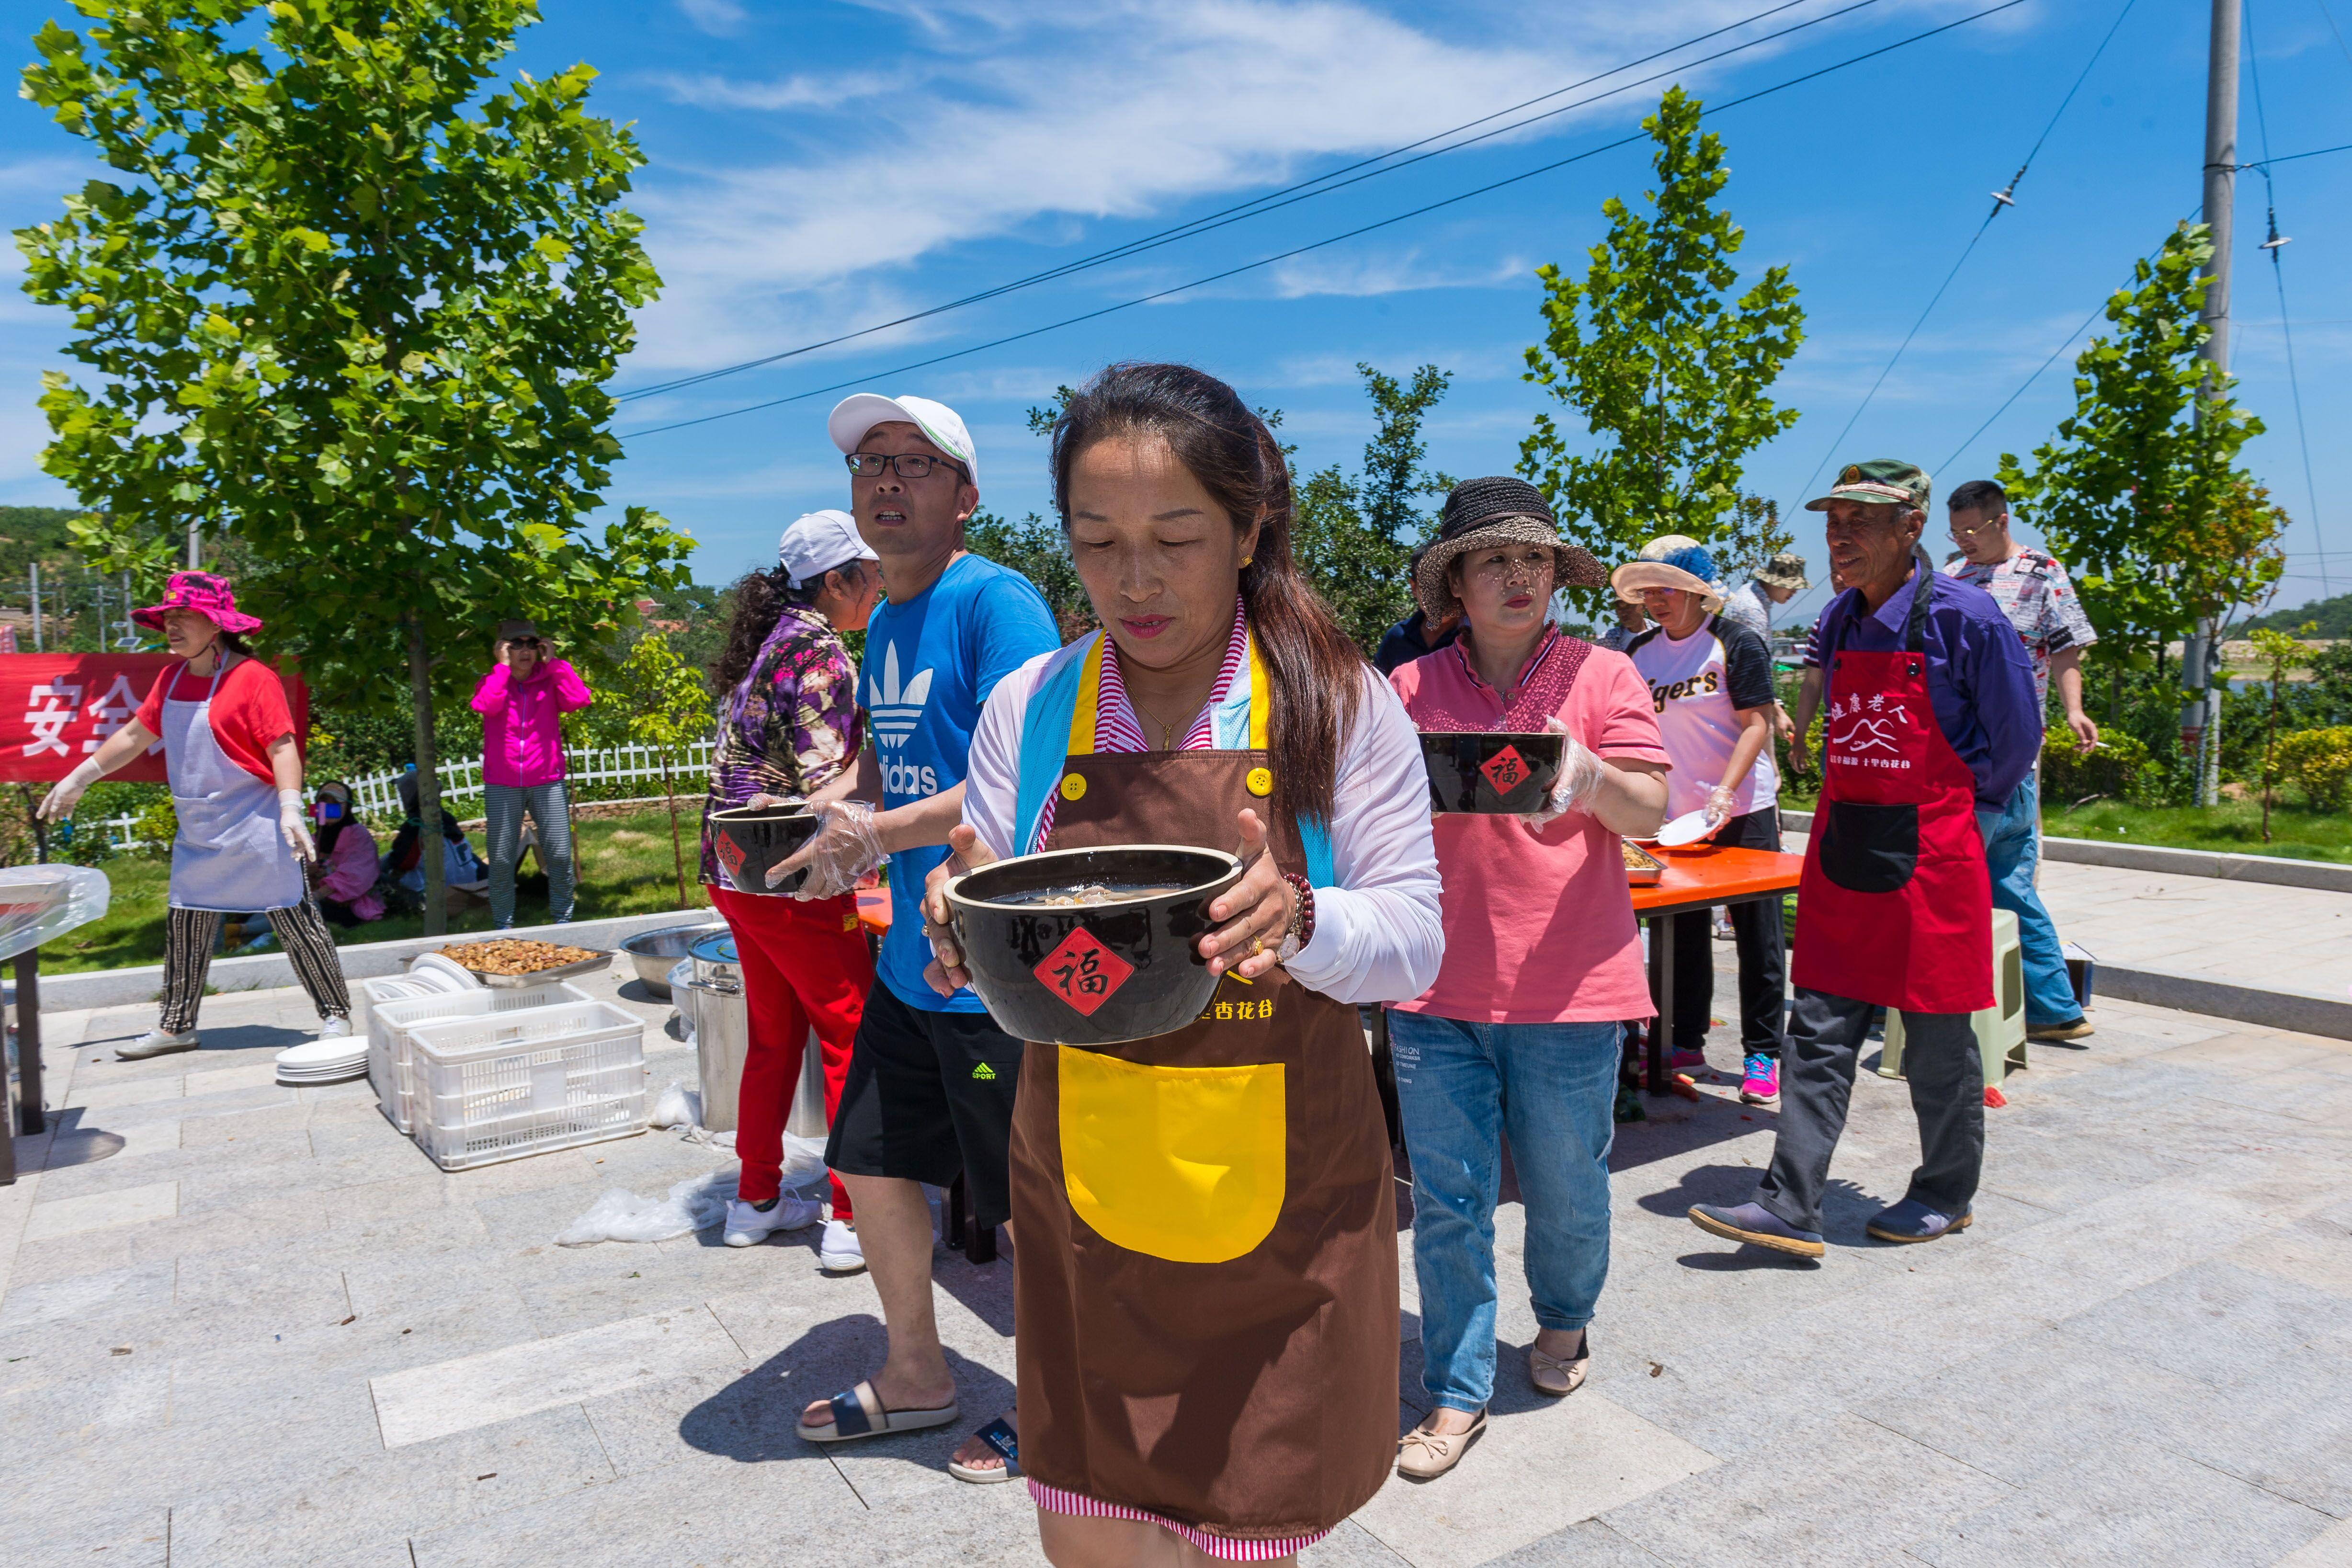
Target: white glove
844,847
290,827
1580,774
1719,803
66,793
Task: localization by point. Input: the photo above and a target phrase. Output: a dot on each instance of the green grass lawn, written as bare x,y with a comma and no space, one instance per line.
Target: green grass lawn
2234,828
624,869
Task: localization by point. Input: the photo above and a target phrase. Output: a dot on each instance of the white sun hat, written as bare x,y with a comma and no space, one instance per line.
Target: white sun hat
854,415
818,542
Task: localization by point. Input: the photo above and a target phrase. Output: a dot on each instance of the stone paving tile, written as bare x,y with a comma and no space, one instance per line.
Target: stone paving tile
1842,1490
114,1533
1350,1546
2214,1322
2310,1251
1591,1544
353,1499
97,1211
2332,1548
1536,1469
2288,1432
2127,1503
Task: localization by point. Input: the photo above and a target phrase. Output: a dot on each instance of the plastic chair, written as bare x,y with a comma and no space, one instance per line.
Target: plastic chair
1999,1028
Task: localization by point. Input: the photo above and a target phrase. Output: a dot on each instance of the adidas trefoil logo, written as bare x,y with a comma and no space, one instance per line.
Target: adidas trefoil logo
896,710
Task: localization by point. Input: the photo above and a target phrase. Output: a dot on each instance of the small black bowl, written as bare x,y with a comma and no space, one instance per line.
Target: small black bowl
748,839
1492,772
1091,975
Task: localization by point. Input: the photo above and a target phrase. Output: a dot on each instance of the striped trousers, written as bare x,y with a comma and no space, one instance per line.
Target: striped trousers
550,813
189,936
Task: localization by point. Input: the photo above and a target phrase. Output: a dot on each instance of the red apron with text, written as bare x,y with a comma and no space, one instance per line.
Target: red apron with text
1895,905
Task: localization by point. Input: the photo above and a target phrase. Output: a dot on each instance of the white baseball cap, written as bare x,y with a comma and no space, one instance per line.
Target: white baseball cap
854,415
818,542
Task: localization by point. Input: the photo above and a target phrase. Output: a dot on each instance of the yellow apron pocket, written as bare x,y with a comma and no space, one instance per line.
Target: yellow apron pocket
1184,1164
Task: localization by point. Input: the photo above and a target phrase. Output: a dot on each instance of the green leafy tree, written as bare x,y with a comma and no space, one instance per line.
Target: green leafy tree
350,303
2138,492
1353,535
655,698
1038,550
2279,653
1671,374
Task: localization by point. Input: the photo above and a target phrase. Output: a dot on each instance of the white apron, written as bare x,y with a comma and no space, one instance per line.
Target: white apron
229,856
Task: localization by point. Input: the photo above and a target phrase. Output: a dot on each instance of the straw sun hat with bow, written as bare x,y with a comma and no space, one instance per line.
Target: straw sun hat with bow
1482,513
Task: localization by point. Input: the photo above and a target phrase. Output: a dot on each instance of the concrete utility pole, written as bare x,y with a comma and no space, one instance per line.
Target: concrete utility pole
37,608
196,545
2200,654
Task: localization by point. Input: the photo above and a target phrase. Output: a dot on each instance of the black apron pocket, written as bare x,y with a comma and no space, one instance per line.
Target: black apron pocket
1869,848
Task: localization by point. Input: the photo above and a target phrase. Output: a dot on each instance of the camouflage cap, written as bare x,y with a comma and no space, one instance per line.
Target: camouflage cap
1882,481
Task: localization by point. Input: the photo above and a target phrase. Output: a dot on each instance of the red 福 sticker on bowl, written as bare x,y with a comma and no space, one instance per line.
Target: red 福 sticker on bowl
1505,770
1082,971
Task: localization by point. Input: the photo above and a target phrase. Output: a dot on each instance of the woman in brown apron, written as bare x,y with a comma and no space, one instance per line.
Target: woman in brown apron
1205,1224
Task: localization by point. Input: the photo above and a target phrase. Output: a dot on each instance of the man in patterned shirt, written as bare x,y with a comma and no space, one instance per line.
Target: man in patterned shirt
2032,590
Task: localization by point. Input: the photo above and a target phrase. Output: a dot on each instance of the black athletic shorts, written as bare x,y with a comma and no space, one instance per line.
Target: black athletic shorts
929,1096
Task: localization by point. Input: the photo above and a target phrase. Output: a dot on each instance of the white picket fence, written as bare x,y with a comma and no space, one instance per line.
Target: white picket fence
377,794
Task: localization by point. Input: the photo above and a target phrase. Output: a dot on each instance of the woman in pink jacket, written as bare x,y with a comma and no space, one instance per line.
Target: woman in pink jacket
523,763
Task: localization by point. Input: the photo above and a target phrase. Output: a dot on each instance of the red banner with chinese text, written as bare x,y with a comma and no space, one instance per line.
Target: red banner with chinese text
56,709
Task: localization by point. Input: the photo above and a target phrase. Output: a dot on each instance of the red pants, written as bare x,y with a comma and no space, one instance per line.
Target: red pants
804,964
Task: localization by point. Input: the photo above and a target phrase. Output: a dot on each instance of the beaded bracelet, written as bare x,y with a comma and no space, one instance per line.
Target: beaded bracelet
1302,919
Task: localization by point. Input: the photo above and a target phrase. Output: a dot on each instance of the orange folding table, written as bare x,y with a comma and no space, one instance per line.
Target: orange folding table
1699,878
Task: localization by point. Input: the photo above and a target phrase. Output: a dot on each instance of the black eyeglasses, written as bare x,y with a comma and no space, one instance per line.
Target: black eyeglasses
906,464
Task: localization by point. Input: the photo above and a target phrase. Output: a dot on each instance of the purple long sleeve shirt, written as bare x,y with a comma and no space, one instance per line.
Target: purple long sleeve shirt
1979,679
522,742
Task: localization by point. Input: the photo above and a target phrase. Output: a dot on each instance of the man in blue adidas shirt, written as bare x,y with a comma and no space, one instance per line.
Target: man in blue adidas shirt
931,1080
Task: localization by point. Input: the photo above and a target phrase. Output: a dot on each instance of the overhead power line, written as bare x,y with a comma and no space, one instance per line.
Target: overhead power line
1360,230
1322,185
2273,243
2002,199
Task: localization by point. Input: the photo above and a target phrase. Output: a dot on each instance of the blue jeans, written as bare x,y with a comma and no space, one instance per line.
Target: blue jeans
2013,847
1553,1087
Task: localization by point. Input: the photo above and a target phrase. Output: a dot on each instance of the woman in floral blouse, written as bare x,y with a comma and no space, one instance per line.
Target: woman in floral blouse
788,725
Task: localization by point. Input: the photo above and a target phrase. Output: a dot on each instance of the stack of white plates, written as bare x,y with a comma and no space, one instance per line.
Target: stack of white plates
441,975
324,1061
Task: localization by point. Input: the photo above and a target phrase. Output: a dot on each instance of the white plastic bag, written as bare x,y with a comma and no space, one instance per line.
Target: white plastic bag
619,1214
677,1105
38,902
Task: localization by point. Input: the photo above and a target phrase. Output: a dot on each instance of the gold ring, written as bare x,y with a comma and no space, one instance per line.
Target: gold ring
1256,946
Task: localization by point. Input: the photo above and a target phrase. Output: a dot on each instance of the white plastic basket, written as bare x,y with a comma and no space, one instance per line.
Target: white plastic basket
391,1059
503,1085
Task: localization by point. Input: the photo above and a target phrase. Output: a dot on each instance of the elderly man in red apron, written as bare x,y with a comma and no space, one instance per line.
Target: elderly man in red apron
1932,720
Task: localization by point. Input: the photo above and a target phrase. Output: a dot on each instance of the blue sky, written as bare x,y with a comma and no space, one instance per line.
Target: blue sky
817,167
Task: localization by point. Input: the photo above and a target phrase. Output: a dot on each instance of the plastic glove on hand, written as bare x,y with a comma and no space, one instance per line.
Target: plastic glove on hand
1721,801
762,801
290,827
946,973
1580,774
844,847
66,793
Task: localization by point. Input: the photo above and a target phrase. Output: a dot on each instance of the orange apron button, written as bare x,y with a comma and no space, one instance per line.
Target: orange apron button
1260,781
1074,787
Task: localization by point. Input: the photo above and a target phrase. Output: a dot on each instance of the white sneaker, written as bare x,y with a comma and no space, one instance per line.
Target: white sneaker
334,1029
840,1251
156,1043
748,1226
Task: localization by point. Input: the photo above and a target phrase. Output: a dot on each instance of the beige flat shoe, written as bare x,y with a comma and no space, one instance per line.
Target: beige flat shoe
1554,1375
1424,1456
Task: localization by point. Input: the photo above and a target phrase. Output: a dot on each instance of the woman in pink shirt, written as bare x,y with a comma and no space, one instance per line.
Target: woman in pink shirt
1519,1032
521,700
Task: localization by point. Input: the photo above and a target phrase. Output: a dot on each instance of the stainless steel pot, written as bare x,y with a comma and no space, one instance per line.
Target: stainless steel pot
652,952
715,962
722,1037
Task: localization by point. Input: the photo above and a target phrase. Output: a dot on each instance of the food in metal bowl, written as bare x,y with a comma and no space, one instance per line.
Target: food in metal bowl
1090,893
509,957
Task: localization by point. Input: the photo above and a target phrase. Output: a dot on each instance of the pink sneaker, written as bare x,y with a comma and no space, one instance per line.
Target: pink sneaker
1684,1061
1761,1084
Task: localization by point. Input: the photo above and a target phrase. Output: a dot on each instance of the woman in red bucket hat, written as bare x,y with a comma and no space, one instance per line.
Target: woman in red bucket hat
220,715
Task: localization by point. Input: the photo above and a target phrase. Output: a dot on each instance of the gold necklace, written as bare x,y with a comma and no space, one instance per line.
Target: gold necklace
1167,731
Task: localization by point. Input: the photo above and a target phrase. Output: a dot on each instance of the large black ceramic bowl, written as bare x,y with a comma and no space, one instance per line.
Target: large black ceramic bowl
1490,770
1091,975
748,839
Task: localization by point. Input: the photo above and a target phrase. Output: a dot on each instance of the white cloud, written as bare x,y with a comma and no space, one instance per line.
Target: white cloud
718,17
819,90
1029,119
